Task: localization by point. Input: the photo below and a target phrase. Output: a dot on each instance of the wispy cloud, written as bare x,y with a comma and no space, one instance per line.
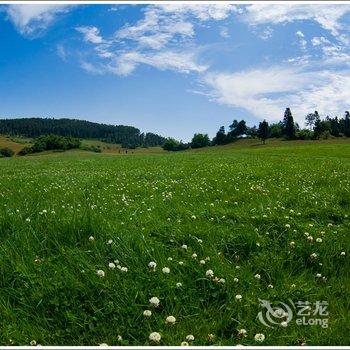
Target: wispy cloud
163,39
91,34
32,20
267,92
328,16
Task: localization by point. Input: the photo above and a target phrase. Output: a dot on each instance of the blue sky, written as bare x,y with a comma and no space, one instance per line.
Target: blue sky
174,69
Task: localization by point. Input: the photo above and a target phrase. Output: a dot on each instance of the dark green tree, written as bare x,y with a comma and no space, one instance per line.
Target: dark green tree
263,131
288,125
200,140
346,130
220,137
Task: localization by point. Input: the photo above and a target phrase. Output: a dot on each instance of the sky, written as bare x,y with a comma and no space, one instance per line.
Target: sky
174,69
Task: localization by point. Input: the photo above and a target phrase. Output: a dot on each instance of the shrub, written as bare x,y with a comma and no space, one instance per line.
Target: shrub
6,152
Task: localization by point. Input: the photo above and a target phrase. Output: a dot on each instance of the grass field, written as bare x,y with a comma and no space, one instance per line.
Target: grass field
271,222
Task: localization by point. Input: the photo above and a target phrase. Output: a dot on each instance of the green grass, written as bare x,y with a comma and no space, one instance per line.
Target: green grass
231,204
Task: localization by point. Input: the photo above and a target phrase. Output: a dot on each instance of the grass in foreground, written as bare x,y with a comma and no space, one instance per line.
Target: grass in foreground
236,209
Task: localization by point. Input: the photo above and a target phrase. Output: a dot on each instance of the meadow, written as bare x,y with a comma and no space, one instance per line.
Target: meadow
102,249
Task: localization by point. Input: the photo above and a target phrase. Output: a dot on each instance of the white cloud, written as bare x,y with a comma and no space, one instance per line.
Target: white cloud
61,52
224,32
328,16
203,12
302,41
267,92
163,39
91,34
183,62
266,33
319,40
30,20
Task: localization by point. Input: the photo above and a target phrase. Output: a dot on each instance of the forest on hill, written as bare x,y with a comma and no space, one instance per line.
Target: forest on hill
127,136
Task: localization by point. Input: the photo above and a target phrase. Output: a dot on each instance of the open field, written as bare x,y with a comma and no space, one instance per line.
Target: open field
236,208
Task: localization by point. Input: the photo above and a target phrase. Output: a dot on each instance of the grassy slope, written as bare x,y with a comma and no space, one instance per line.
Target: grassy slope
230,197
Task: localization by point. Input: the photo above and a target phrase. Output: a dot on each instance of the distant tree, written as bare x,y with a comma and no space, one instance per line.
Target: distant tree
200,140
127,136
335,126
252,131
263,131
288,125
220,137
310,119
322,128
6,152
237,128
347,124
276,130
170,144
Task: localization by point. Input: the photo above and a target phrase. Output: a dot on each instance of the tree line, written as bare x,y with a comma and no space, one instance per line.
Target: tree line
127,136
287,129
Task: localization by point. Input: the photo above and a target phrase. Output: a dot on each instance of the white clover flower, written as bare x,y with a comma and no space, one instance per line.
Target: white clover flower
110,241
119,337
270,286
170,320
116,261
194,256
342,253
211,337
166,270
147,313
238,267
100,273
152,265
207,258
318,275
287,225
284,324
155,337
184,343
236,280
292,244
33,342
184,246
238,297
210,273
259,337
319,240
242,333
293,285
170,258
313,256
190,337
28,219
222,280
178,284
193,217
111,265
154,301
202,262
91,238
124,269
257,276
181,262
310,239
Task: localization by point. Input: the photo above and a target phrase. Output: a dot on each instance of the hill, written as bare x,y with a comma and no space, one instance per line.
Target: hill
127,136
